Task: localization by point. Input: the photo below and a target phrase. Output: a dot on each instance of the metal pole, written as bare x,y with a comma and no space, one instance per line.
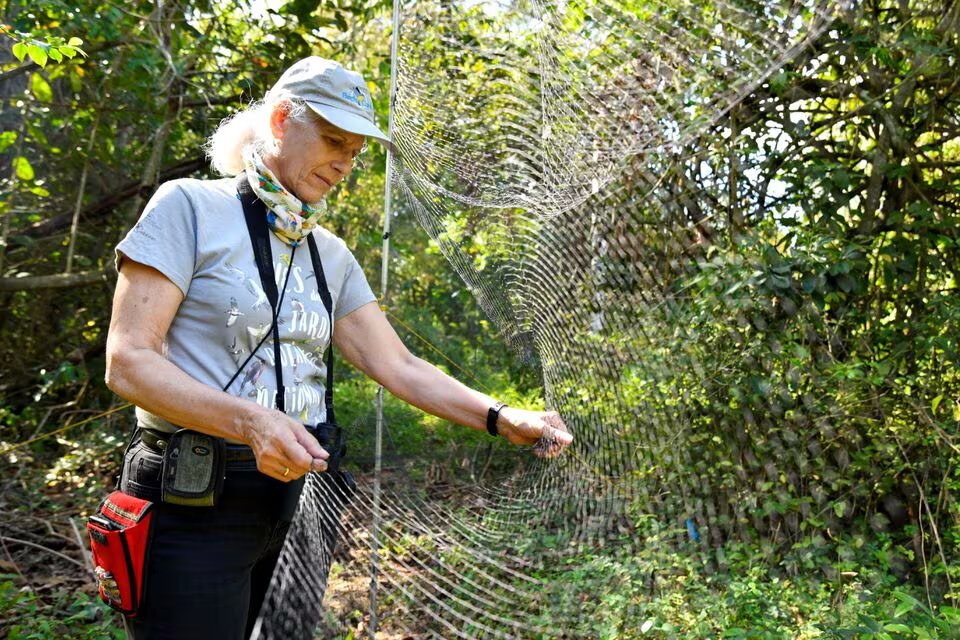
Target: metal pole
384,267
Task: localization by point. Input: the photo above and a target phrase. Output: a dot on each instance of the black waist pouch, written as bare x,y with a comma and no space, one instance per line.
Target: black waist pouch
194,467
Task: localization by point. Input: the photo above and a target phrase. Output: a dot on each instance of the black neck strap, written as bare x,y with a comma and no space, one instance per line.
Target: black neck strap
255,213
328,304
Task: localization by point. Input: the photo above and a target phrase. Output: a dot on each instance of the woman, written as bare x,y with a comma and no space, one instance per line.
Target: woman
194,340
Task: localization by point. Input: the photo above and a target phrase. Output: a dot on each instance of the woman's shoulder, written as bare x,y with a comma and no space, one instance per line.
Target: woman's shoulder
201,202
195,189
329,241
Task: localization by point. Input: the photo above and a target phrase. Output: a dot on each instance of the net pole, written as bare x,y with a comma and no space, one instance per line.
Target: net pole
384,272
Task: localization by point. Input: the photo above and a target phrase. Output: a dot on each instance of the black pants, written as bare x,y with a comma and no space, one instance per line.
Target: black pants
209,567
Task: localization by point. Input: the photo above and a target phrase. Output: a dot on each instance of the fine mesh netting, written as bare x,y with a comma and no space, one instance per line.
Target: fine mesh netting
598,174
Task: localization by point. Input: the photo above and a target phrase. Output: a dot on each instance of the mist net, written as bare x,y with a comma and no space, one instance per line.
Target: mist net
573,161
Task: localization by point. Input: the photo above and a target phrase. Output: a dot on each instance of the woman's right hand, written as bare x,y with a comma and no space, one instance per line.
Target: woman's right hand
284,448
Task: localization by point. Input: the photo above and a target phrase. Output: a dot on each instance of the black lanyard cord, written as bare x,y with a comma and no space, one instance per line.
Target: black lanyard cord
266,334
255,214
324,292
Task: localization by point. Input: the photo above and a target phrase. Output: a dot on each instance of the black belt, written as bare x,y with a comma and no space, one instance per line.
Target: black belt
329,437
156,441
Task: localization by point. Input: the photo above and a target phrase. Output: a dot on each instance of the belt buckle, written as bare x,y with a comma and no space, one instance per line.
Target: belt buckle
154,440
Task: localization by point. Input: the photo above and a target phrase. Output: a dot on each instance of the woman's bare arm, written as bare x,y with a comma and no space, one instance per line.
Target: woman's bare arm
368,341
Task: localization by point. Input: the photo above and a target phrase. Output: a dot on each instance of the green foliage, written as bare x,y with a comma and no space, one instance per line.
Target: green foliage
658,591
64,614
40,52
787,376
811,317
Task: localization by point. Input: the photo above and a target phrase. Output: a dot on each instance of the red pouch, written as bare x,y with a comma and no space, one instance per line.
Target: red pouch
120,538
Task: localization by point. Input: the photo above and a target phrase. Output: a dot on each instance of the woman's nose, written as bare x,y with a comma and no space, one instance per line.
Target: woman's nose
342,165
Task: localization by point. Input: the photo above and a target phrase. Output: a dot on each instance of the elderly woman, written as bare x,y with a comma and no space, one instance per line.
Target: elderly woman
215,345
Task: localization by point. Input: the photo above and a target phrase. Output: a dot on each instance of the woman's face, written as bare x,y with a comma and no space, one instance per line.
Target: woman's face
312,154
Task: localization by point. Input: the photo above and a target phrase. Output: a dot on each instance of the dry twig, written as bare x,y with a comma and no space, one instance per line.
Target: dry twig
27,543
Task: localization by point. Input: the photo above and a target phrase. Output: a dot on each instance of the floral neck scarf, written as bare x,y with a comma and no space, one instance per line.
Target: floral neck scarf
290,219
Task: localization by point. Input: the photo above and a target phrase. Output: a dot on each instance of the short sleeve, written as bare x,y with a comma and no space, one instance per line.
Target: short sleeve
355,291
165,237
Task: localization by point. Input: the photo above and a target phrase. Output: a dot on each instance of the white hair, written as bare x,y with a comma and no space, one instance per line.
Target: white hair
248,127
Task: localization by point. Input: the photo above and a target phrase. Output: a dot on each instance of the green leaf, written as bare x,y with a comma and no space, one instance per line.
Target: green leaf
74,42
55,54
841,178
896,626
23,241
37,54
936,403
778,82
20,50
846,283
67,51
22,168
7,138
950,614
907,603
883,55
40,88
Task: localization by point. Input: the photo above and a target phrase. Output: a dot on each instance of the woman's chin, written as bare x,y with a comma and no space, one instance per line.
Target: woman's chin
311,194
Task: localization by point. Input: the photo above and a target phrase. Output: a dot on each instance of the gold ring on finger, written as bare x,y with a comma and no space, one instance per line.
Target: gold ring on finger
286,471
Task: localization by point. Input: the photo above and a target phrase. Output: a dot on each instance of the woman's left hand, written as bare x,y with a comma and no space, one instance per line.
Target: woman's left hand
544,430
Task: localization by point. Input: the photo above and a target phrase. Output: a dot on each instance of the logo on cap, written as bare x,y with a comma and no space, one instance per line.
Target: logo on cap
357,98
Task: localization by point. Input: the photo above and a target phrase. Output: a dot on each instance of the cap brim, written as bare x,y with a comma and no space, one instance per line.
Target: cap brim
349,121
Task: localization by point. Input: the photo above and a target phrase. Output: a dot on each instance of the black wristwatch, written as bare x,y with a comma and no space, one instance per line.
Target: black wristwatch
493,413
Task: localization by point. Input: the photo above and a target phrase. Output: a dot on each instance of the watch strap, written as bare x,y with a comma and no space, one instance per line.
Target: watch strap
493,413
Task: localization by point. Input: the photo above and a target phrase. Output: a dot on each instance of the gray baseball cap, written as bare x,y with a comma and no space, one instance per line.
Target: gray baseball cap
337,95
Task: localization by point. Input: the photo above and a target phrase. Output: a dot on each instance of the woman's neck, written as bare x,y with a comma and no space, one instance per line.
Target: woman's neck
270,161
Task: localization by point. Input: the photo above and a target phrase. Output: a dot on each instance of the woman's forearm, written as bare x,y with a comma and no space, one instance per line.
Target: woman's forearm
425,386
367,341
147,379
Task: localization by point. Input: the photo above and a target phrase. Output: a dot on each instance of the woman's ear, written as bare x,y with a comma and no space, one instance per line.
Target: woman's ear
278,118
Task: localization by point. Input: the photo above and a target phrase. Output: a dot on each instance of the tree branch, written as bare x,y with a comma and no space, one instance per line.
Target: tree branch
210,102
57,281
106,205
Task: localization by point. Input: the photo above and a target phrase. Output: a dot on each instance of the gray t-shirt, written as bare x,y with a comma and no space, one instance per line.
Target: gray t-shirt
194,233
